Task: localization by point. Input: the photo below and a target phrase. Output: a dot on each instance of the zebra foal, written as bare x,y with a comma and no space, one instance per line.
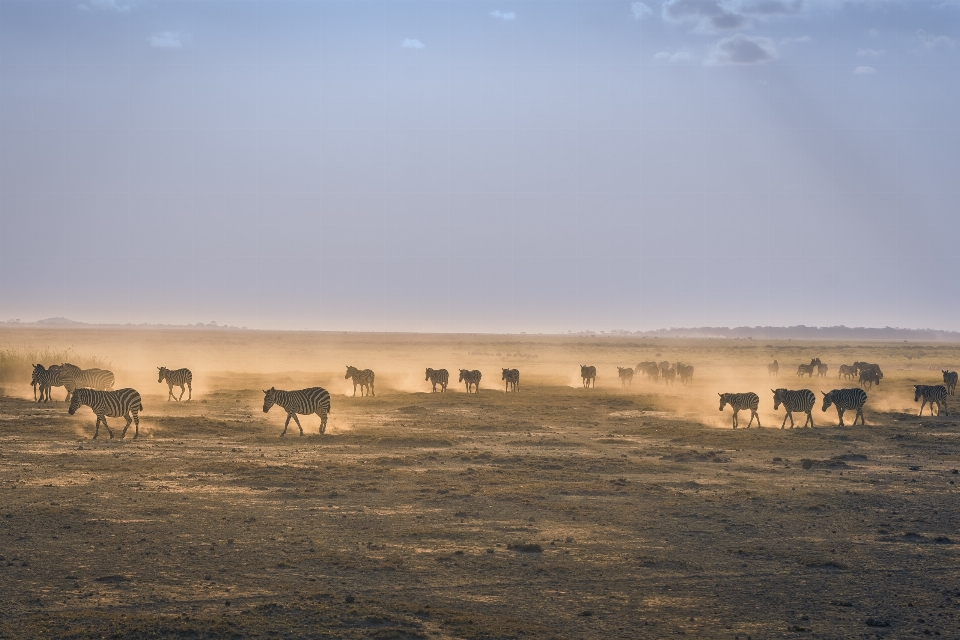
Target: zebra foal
177,377
738,401
802,400
773,369
363,378
438,377
304,401
121,402
846,399
934,394
511,379
471,378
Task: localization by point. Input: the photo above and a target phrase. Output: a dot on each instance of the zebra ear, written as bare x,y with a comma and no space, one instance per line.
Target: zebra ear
265,392
773,391
720,394
823,394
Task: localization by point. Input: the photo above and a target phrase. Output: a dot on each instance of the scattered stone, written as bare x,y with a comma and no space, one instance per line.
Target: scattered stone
526,547
873,622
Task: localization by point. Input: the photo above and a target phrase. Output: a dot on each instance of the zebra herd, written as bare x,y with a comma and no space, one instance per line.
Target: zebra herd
657,371
868,374
801,401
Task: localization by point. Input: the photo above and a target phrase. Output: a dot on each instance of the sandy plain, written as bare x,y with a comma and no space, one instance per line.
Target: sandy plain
561,512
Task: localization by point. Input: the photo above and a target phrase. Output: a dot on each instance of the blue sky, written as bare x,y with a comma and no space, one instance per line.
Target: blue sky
480,166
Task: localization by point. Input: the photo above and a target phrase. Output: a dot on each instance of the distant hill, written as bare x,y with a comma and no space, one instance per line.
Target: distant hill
67,323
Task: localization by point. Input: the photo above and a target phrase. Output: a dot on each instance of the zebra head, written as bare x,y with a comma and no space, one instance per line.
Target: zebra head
351,371
917,392
79,399
827,400
163,373
37,369
724,399
463,372
777,398
429,371
270,399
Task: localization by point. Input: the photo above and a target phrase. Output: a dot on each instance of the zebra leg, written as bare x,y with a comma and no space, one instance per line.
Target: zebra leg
182,391
190,388
96,431
860,415
323,420
106,426
923,401
840,413
945,411
809,419
355,389
126,426
297,420
373,391
169,391
136,424
284,432
735,422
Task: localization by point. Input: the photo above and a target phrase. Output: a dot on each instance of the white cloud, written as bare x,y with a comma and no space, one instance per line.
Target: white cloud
870,53
104,5
168,40
931,42
679,56
799,40
639,10
864,71
741,49
709,14
509,15
412,43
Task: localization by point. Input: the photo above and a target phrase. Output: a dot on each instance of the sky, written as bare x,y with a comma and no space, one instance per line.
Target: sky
461,166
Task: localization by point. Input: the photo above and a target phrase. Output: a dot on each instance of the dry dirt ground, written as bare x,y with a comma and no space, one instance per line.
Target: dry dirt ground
556,512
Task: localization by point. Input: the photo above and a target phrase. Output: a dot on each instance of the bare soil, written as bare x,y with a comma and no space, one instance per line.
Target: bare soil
555,512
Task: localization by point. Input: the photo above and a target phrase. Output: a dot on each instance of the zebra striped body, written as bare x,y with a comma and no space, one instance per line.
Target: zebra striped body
44,379
663,366
685,371
121,402
934,394
868,376
846,399
847,371
646,367
821,370
73,377
738,401
773,369
511,378
471,378
806,370
802,400
438,377
626,375
588,374
950,380
363,378
178,377
860,366
305,401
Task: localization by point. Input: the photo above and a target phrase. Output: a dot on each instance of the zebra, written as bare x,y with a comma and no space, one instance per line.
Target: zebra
73,377
589,374
669,375
860,366
438,377
806,370
802,400
773,369
847,371
511,377
869,376
663,366
950,379
121,402
363,378
471,378
738,401
178,377
304,401
685,371
645,367
934,394
44,379
821,370
846,399
626,375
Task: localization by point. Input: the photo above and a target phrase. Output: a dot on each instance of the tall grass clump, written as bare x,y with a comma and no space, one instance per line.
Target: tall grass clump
16,365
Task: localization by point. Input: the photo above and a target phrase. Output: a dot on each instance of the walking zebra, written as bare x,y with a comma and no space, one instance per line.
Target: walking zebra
821,370
860,366
363,378
626,375
177,377
663,366
438,377
934,394
305,401
847,371
773,369
121,402
950,379
471,378
511,377
738,401
685,371
846,399
44,379
589,374
646,367
802,400
869,376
